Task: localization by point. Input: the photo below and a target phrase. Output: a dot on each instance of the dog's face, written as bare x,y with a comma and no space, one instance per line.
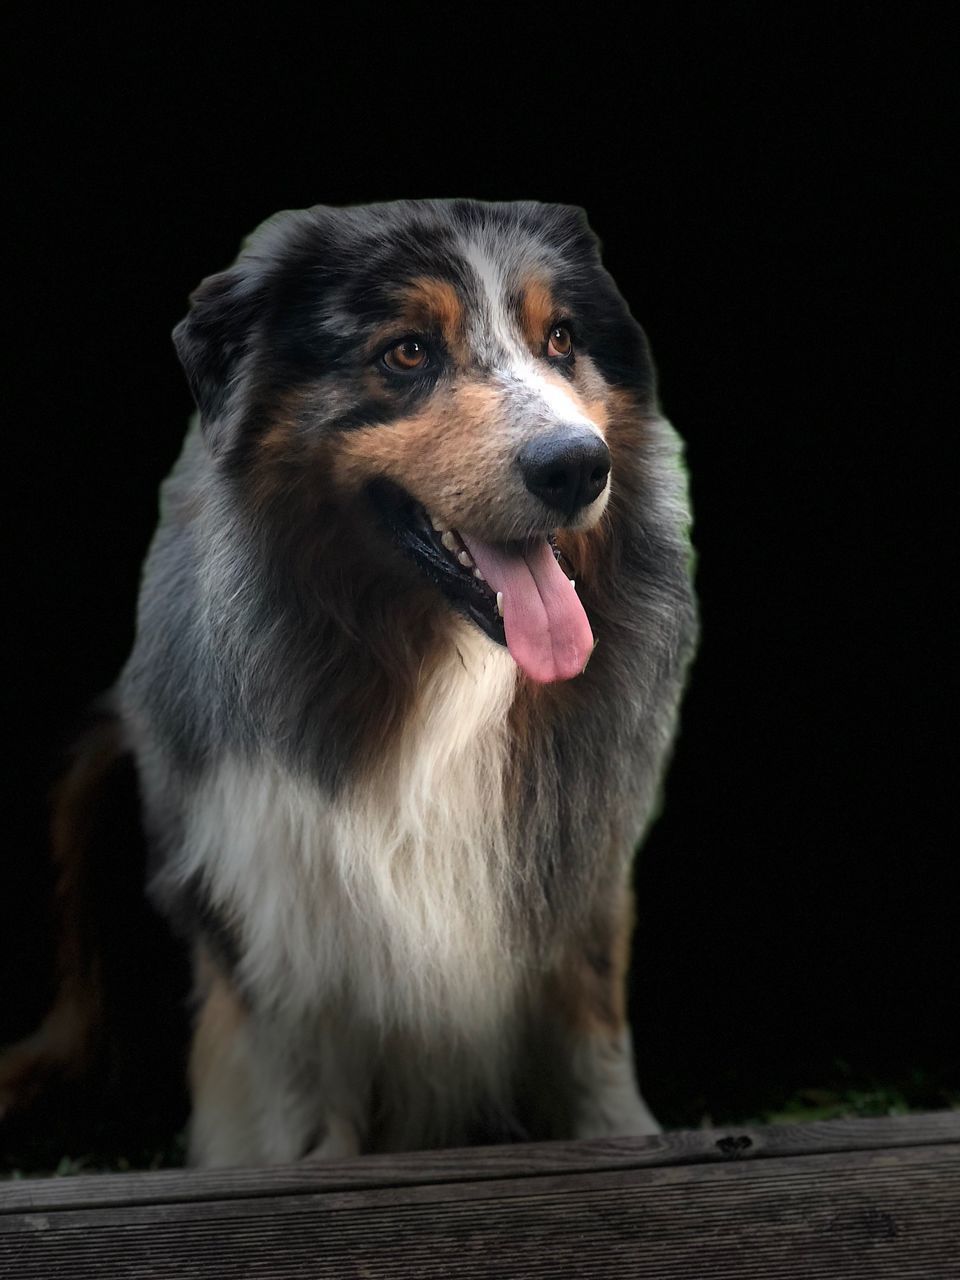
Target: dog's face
446,373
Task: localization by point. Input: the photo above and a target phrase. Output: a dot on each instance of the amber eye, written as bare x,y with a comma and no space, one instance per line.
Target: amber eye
559,344
407,355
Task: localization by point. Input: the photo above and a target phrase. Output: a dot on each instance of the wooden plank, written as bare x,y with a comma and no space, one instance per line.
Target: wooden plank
840,1215
479,1163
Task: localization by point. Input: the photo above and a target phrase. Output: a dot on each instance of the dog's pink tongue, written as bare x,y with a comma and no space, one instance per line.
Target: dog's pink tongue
547,630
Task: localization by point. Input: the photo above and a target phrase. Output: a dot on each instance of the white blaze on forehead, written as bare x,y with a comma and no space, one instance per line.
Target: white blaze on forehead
557,399
495,335
491,327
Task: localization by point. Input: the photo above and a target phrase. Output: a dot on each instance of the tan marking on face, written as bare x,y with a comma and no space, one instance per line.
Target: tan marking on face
538,311
278,439
426,306
278,453
455,456
625,431
288,454
439,304
592,392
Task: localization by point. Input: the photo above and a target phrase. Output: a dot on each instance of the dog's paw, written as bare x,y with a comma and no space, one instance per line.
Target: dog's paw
340,1141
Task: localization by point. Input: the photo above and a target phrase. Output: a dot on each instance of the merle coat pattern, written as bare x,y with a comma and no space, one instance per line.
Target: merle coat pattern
400,856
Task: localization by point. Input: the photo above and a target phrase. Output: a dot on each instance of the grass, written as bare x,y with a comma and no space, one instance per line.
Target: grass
103,1160
833,1093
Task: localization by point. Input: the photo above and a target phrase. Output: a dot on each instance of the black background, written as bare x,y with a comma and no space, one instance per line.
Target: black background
770,188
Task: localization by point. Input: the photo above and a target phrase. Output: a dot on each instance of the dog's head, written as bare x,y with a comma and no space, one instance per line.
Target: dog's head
446,372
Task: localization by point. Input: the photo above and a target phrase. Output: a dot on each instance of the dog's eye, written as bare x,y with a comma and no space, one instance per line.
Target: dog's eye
406,356
560,343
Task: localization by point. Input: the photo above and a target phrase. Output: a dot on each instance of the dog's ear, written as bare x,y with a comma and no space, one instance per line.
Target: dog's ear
215,342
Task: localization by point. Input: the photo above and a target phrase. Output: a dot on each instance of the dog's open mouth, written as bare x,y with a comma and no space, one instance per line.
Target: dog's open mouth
516,592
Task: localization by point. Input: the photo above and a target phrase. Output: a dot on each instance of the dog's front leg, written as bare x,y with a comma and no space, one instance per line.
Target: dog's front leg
589,999
608,1101
261,1095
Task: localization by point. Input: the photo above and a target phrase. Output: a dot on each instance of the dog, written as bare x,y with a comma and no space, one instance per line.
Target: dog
411,641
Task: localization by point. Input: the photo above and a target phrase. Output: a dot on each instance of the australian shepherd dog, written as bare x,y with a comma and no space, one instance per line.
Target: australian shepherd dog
411,640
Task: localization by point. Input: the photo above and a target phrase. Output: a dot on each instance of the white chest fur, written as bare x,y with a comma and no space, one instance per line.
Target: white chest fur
389,902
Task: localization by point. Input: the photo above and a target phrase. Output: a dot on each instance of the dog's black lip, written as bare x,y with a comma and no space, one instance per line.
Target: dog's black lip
399,513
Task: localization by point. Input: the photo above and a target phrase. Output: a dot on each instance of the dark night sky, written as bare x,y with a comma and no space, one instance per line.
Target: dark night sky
770,189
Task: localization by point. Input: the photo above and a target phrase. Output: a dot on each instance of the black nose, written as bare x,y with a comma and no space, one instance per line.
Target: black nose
567,469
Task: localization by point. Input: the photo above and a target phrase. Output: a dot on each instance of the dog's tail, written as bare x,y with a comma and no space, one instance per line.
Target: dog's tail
114,956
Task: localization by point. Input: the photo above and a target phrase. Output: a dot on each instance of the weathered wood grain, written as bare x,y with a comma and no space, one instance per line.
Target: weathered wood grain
880,1213
475,1164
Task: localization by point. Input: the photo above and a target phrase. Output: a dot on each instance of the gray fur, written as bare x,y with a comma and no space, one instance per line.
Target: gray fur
240,670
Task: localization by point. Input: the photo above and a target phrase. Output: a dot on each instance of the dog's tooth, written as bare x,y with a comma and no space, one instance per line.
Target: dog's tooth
479,576
465,559
500,603
438,525
451,541
573,583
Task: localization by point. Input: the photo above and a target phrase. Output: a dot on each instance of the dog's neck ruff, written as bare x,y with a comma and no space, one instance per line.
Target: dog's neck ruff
409,867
